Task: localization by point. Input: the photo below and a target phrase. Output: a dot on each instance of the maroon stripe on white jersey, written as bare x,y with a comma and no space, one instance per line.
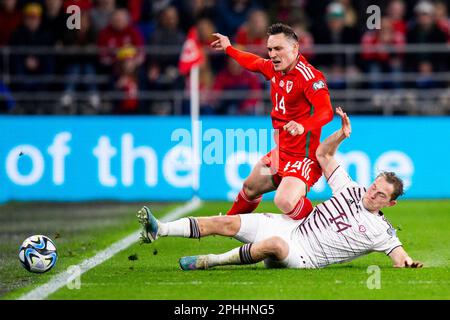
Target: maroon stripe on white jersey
347,204
341,206
319,214
322,215
343,213
351,195
329,212
315,222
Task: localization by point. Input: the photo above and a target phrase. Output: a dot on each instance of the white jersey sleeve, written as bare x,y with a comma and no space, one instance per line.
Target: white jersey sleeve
387,244
339,180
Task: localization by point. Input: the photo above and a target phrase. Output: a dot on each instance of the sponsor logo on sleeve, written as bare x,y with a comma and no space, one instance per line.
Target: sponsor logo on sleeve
318,85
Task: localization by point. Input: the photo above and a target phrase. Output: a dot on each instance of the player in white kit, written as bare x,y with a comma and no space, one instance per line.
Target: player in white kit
348,225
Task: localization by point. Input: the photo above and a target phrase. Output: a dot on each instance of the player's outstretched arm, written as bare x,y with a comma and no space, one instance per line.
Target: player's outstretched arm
401,259
327,148
222,42
247,60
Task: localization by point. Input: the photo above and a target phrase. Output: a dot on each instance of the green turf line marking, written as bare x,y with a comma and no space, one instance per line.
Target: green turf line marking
60,280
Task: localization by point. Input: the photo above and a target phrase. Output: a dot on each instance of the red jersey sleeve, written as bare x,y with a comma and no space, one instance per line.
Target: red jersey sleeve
251,62
316,92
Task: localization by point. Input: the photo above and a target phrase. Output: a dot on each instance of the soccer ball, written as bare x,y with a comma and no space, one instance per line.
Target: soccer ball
38,254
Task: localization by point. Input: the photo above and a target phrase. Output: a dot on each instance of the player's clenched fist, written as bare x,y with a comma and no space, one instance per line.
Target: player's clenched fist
222,43
294,128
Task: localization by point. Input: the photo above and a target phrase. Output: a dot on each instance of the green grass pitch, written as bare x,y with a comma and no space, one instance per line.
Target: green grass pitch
423,227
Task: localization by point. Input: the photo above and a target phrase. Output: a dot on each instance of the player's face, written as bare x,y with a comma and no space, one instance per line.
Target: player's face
282,51
378,196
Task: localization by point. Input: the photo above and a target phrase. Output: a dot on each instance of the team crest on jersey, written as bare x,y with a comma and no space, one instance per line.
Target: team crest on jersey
289,85
318,85
281,84
362,228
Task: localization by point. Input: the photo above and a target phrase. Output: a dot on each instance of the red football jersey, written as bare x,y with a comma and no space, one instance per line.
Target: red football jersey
301,95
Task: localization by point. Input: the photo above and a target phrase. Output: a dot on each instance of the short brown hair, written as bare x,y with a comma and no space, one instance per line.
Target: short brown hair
393,179
278,28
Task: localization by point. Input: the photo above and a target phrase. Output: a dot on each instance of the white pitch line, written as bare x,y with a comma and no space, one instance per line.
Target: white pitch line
60,280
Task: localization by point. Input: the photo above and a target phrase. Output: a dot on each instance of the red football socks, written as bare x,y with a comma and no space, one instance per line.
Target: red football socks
303,208
243,204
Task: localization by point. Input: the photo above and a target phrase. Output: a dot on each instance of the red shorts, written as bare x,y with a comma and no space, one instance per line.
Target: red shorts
286,165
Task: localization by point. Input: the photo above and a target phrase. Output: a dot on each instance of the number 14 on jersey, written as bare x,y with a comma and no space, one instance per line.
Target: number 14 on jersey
279,104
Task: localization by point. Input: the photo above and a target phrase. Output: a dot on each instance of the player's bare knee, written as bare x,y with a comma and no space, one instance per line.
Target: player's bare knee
284,204
230,225
250,190
277,247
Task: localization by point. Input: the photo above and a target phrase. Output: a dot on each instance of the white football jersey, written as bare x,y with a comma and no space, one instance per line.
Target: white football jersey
341,229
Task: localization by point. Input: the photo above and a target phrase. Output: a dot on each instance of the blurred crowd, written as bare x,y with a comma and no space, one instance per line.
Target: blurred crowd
124,49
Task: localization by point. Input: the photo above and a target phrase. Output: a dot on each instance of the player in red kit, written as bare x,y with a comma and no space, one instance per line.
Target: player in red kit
300,107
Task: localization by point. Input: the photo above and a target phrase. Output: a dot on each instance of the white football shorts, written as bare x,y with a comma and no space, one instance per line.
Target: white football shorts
256,227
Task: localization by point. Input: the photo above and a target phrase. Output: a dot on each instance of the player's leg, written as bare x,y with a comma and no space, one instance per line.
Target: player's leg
186,227
291,199
271,248
259,182
299,174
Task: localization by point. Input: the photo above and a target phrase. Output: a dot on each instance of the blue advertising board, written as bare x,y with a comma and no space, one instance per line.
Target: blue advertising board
149,158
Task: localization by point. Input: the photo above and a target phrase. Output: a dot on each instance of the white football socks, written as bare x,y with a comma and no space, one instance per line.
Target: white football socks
230,257
177,228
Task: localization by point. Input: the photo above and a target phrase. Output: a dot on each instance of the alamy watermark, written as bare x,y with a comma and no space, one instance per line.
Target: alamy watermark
373,22
74,20
74,280
374,280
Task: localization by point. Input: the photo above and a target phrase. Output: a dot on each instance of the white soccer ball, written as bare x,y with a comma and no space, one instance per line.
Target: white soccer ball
38,254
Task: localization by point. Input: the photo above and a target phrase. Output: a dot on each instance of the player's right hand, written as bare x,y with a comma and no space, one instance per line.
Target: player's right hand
410,263
222,43
346,126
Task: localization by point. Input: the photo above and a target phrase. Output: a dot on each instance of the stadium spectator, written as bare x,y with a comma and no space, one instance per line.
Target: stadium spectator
84,5
305,39
252,35
31,66
336,33
126,83
204,29
234,77
350,15
396,12
55,20
206,82
442,18
192,11
425,31
231,14
286,11
378,61
202,33
80,65
156,6
7,102
10,19
425,79
117,34
163,66
101,14
135,9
